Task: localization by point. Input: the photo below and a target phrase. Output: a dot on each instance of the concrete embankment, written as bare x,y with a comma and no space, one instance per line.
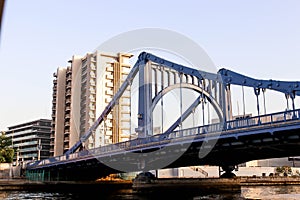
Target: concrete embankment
220,184
23,184
187,183
265,181
216,184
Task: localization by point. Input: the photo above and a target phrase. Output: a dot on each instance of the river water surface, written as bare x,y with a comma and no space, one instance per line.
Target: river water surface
291,192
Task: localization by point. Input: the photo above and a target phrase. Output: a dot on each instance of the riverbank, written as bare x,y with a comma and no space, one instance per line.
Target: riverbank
221,184
213,184
23,184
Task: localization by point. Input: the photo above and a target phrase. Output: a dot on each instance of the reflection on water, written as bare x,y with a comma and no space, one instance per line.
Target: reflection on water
13,195
271,192
290,192
128,195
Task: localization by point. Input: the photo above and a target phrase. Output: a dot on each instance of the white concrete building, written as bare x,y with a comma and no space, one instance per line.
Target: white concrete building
81,91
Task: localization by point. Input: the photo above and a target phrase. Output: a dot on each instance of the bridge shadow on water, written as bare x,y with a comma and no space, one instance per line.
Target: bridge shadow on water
113,190
289,192
123,194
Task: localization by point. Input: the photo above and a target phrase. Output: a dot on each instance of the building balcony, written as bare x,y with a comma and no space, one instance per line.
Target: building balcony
109,92
108,133
93,67
109,77
66,146
93,59
109,84
66,139
69,85
125,120
92,107
108,100
92,100
108,124
109,69
68,101
91,114
69,72
67,116
92,91
125,72
69,79
91,122
109,116
125,65
92,83
68,108
92,74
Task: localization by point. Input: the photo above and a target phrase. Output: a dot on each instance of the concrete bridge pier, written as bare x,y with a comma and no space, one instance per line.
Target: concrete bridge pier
228,171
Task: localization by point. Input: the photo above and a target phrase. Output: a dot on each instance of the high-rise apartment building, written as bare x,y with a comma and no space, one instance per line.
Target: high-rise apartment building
114,71
81,91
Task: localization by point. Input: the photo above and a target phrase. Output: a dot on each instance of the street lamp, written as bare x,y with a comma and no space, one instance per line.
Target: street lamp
39,148
17,159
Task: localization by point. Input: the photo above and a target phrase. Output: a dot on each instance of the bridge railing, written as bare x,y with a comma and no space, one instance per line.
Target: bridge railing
263,119
211,128
248,122
239,123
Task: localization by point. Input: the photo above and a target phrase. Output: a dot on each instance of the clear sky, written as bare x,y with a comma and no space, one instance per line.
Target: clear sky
257,38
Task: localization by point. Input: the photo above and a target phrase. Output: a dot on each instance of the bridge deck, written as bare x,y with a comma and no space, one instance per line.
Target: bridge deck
234,142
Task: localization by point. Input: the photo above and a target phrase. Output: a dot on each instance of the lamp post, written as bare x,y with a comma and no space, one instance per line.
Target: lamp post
39,148
17,159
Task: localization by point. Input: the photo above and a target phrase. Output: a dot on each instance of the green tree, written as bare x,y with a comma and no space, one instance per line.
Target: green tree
6,151
285,170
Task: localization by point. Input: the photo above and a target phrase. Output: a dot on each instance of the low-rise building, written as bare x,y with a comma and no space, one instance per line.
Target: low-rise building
31,140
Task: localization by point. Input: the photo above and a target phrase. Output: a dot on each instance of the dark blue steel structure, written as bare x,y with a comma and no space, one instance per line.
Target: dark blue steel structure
231,141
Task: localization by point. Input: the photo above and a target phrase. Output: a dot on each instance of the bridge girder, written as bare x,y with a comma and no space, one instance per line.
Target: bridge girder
223,77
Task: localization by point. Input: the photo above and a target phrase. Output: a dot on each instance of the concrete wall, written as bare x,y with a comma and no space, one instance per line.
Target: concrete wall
75,100
255,171
60,112
275,162
8,171
5,170
213,171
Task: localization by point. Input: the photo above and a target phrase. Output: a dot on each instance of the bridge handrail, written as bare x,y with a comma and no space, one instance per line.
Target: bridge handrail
273,118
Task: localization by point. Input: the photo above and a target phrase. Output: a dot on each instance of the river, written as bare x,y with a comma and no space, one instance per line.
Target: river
290,192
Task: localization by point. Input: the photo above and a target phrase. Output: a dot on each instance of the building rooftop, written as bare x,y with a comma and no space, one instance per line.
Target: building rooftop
27,123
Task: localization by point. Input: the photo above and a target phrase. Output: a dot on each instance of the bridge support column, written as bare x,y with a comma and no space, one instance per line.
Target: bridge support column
227,169
145,101
228,112
293,104
257,92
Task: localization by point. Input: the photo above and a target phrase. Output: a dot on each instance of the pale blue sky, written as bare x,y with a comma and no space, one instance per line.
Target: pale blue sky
257,38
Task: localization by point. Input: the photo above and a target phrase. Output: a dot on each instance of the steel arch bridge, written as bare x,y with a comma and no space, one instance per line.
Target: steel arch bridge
158,77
